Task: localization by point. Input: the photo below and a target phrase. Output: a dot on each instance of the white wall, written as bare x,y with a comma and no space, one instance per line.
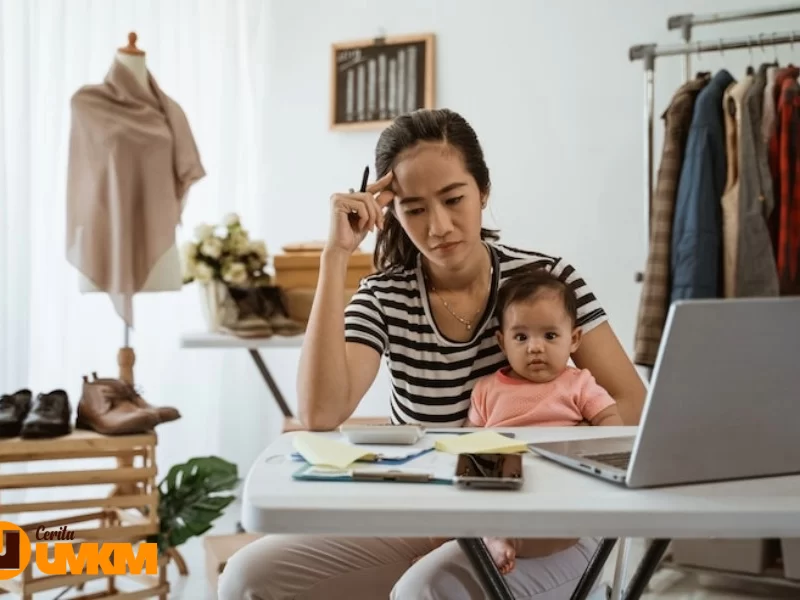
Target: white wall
551,92
556,103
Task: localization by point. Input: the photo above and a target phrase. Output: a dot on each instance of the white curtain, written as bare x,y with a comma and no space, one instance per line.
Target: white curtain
209,56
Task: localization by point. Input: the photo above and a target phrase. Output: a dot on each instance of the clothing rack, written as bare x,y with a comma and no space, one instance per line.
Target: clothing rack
649,52
687,21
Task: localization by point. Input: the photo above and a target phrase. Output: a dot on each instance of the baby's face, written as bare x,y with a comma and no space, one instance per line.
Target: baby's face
538,337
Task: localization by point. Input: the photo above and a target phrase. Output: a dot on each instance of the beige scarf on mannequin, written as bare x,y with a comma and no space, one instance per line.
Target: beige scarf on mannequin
132,158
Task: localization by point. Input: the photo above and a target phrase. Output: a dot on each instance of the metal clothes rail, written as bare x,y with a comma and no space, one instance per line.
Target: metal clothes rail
686,22
649,52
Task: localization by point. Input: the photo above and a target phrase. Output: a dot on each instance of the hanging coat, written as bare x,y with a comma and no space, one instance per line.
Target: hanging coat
697,225
756,272
654,300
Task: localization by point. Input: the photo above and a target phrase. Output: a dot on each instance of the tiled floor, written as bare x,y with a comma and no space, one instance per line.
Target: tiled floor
671,584
666,584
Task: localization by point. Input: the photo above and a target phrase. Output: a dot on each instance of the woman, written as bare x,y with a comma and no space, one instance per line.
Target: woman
429,311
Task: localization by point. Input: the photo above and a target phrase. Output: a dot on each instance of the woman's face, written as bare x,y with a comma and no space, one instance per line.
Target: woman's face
438,203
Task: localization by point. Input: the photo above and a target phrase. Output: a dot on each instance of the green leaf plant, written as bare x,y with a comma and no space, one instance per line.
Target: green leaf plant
192,496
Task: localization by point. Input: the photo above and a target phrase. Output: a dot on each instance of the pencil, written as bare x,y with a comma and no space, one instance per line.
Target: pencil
364,179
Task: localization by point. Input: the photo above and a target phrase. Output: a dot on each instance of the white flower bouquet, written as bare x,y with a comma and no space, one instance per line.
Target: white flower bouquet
225,253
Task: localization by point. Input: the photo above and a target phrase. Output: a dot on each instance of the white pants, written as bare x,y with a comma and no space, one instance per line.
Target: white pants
312,568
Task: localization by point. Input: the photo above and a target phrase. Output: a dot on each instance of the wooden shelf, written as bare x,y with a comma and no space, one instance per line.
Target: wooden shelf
128,514
80,443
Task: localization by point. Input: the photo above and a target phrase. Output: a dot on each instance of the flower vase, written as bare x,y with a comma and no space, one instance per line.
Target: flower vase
219,309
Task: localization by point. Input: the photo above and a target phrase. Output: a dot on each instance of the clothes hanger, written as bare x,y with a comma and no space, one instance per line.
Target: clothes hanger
774,63
131,47
731,105
750,69
701,74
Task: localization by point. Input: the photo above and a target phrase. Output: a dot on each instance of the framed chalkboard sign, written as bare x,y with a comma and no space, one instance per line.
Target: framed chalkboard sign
373,81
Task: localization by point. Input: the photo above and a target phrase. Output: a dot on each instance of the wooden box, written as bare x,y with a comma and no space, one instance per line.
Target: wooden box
301,269
790,551
297,274
298,302
128,512
751,556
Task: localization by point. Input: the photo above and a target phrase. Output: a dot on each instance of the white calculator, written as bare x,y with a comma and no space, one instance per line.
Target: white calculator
401,435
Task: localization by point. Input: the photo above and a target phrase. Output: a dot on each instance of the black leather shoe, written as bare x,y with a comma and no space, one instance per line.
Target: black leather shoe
50,416
13,410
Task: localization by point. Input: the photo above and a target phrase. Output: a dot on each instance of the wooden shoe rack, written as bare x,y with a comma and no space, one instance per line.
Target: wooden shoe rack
128,513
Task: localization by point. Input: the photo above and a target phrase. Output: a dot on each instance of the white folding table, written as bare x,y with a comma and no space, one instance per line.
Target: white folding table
252,345
221,341
554,502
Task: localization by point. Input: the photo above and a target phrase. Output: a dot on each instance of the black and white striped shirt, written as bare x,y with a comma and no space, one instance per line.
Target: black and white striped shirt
432,376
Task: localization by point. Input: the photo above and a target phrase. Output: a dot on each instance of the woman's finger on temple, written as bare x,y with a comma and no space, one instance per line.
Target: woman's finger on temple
381,184
384,198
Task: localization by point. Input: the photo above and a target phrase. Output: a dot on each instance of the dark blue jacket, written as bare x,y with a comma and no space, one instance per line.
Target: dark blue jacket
697,225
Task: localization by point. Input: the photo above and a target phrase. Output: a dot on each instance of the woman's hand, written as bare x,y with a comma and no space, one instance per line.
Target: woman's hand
355,214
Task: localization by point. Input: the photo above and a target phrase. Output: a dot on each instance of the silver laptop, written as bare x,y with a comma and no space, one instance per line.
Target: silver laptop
723,401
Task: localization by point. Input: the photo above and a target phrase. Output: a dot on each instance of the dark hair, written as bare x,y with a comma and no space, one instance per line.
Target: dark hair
393,248
527,284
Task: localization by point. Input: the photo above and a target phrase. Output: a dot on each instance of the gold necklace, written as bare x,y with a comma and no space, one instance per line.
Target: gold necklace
464,321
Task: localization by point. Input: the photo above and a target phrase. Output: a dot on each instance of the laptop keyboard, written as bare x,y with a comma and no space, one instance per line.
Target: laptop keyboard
619,460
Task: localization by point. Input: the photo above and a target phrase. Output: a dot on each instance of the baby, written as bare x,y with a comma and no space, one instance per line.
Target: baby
537,332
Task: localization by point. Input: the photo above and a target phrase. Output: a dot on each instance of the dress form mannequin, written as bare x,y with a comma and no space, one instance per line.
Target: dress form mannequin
166,275
132,160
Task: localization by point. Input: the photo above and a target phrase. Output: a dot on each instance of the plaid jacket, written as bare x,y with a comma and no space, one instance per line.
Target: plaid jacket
654,300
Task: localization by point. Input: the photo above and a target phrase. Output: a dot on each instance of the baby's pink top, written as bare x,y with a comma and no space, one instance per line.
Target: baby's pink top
500,400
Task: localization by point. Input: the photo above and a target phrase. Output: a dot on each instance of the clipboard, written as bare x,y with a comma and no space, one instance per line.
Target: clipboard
377,458
377,475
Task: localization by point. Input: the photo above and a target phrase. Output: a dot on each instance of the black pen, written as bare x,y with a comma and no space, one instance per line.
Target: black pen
364,179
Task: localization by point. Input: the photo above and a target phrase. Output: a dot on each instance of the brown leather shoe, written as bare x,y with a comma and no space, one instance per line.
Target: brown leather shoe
13,410
50,416
105,409
165,413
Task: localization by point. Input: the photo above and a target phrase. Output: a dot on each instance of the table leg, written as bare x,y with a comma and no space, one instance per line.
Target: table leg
620,573
646,568
276,394
493,583
273,387
594,568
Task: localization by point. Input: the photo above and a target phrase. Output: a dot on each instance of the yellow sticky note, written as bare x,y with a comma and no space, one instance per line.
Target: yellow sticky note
322,451
485,442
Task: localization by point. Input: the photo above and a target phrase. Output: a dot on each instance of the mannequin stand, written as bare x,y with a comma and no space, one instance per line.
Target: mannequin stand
126,358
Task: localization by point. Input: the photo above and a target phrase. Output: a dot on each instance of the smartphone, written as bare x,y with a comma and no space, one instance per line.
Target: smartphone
489,471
